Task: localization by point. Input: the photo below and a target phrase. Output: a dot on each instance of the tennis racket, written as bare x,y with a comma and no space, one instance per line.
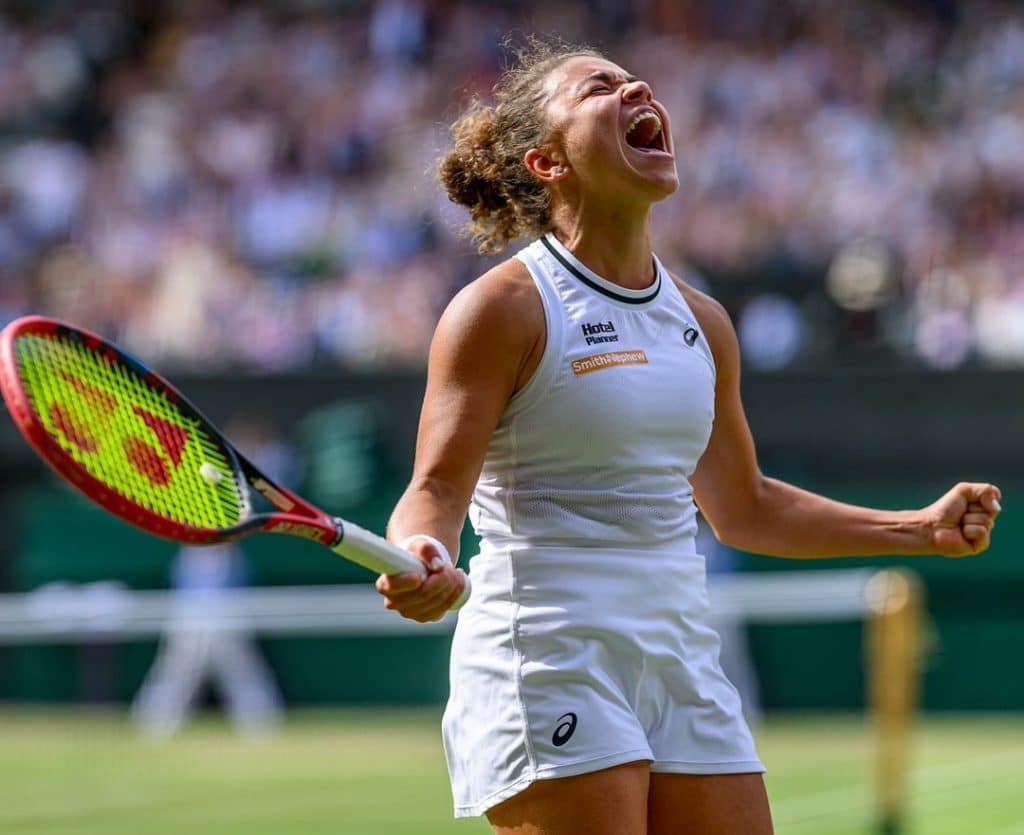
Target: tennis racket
132,443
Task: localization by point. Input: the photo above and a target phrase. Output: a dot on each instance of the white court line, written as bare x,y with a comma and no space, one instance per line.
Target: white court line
1012,829
836,803
839,806
986,788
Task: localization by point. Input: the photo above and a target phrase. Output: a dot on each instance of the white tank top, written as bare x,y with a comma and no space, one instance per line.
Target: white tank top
597,448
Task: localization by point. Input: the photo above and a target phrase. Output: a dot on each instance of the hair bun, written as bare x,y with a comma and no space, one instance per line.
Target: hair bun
471,171
484,171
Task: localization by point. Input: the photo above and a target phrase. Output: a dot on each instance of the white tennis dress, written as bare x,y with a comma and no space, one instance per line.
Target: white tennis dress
585,642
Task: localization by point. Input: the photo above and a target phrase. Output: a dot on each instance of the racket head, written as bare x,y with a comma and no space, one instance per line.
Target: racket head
121,434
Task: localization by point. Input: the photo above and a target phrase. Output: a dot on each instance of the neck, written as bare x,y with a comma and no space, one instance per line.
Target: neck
614,244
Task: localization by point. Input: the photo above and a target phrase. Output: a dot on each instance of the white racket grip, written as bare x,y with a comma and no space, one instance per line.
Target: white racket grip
377,554
372,551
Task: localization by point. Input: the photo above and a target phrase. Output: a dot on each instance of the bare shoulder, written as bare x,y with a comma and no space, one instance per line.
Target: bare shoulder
494,326
501,297
715,321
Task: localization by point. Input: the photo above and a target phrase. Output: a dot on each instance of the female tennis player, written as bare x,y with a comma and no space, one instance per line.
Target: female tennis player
580,402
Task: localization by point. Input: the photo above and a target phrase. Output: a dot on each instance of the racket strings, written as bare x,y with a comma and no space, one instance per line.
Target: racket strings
127,434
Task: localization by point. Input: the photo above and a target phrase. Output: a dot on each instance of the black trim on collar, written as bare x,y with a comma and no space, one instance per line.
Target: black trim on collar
604,291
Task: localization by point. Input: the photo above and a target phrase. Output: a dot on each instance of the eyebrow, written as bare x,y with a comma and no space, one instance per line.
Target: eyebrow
607,78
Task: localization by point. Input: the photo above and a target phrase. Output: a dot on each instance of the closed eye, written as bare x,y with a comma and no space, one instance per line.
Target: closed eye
602,82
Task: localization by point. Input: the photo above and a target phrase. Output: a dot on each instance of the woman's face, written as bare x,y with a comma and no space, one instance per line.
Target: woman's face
614,136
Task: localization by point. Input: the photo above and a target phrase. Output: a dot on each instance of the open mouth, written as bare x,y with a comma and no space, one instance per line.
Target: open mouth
644,132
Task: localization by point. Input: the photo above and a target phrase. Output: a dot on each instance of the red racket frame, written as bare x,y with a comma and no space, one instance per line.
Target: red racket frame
309,522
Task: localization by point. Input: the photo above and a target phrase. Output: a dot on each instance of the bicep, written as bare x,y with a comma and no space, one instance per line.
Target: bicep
727,478
475,358
461,409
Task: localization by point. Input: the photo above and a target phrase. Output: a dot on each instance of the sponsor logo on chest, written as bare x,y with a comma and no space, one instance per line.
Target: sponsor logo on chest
597,362
598,332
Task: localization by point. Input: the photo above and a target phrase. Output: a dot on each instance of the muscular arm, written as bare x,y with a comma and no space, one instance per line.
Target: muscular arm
755,513
485,348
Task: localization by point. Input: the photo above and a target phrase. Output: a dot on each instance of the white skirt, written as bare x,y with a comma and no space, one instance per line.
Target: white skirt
571,660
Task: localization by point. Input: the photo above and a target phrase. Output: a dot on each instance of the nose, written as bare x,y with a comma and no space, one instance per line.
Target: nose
637,91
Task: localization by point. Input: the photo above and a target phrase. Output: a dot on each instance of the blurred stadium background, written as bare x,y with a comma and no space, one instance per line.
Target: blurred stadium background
241,194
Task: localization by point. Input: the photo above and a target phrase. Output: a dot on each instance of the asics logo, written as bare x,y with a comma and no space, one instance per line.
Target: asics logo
566,728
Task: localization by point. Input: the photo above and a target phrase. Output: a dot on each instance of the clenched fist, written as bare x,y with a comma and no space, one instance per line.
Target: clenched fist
961,521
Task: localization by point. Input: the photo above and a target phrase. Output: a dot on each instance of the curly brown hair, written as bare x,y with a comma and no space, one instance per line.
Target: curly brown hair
484,170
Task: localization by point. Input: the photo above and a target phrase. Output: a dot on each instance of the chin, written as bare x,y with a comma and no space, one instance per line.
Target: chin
656,183
660,188
669,188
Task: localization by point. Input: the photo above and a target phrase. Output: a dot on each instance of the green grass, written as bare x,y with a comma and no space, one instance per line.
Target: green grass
358,771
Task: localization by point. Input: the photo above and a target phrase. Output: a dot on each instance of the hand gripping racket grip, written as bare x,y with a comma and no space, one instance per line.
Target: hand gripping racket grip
377,554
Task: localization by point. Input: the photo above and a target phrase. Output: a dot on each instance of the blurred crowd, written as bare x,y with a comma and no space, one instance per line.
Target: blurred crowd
249,185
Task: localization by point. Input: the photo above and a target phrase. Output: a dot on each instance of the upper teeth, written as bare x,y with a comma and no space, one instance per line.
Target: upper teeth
647,114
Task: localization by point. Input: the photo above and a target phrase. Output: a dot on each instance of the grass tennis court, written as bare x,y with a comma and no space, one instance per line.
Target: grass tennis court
382,773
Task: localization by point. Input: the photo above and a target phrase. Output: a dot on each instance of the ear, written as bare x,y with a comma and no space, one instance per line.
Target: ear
548,168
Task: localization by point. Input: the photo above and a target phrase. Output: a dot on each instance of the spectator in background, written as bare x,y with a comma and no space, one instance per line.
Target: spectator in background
204,642
211,170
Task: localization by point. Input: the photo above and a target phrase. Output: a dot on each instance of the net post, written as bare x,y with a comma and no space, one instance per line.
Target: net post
895,605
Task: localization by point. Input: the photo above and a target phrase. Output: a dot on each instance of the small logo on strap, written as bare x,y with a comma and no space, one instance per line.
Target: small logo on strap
690,336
